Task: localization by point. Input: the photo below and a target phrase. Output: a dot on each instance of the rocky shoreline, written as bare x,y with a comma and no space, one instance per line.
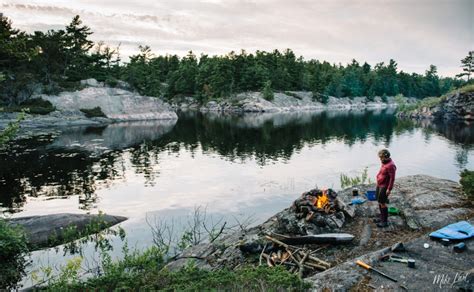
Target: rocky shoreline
121,104
426,204
457,105
288,101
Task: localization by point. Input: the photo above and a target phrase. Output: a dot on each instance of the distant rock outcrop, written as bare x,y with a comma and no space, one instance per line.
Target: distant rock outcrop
287,101
117,103
457,105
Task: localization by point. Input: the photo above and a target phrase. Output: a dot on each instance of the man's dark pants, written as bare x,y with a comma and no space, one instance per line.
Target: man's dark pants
382,198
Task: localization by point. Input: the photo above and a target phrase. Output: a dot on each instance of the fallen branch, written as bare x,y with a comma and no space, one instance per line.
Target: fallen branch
261,254
301,264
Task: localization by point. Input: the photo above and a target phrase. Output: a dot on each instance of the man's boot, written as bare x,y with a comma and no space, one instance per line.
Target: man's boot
379,218
384,221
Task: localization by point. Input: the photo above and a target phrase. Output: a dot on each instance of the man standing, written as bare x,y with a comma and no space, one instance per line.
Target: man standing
385,180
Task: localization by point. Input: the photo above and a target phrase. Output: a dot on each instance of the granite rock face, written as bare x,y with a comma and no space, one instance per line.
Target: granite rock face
116,103
289,101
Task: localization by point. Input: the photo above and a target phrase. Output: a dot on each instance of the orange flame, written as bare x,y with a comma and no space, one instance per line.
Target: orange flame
322,200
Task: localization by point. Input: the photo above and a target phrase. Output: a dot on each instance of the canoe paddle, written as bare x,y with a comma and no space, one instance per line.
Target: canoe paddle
366,266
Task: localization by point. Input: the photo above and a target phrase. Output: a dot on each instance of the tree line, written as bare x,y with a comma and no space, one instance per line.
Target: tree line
57,60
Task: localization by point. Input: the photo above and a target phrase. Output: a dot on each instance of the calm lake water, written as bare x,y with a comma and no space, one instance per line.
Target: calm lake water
239,166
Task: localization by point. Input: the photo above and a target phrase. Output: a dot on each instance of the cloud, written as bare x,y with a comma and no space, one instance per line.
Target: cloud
415,33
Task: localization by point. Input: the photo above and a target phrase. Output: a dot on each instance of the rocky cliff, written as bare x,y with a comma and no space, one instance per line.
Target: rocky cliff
456,105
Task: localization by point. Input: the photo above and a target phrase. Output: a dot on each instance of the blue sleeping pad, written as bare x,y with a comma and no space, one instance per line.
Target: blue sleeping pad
459,230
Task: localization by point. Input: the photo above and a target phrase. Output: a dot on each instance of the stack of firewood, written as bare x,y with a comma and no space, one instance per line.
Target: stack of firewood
297,260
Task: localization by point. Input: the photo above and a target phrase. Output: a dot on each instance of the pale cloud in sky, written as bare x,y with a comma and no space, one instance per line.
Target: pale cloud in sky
414,33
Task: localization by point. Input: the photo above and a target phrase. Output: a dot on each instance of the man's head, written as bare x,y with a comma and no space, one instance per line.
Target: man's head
384,155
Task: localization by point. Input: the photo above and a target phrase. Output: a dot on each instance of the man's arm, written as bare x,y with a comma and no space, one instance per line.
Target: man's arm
391,173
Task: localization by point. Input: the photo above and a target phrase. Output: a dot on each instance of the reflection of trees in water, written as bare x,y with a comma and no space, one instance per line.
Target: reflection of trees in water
35,168
55,174
458,133
229,137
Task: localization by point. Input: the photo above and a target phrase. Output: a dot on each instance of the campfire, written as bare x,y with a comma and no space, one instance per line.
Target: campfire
318,211
322,201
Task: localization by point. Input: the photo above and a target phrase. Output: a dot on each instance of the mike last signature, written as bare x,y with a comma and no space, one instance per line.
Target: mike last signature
445,280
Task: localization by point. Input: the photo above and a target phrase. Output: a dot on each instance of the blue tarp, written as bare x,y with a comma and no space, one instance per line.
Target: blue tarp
357,201
459,230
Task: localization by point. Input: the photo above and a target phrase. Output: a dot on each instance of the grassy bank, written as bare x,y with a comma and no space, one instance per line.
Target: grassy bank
146,271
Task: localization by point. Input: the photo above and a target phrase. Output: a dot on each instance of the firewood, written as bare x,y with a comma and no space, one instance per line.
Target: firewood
319,261
301,271
261,254
320,267
269,260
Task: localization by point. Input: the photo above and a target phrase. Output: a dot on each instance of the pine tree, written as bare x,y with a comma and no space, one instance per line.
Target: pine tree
467,66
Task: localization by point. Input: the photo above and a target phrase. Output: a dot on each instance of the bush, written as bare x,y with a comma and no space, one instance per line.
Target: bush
384,98
322,98
111,81
467,182
36,106
267,91
293,95
13,249
95,112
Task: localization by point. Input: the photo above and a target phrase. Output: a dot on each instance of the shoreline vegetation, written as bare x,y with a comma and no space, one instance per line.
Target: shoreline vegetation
57,60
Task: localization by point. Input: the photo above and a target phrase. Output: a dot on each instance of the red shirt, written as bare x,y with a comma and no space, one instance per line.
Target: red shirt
386,175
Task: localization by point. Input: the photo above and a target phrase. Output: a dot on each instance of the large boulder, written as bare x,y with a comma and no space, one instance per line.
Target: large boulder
50,230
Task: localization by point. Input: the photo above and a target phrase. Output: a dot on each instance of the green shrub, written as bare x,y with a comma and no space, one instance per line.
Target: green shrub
11,129
322,98
347,181
293,95
13,249
384,98
95,112
467,182
267,91
38,106
111,81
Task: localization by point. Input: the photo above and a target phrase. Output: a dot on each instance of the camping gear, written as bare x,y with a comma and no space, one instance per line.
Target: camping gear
426,245
410,262
367,267
457,231
355,192
445,241
370,194
393,211
315,239
398,247
460,247
357,201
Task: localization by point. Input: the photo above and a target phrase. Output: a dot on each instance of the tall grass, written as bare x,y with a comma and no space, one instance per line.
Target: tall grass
348,181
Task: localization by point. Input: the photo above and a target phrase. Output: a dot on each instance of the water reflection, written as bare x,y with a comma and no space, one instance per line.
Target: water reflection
82,160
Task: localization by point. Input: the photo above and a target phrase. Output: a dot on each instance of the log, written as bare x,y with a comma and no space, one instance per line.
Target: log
301,271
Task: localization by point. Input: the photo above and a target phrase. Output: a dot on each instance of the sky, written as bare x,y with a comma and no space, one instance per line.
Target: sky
416,33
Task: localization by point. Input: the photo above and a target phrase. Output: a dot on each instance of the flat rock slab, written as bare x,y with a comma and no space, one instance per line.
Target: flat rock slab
425,201
437,268
41,230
